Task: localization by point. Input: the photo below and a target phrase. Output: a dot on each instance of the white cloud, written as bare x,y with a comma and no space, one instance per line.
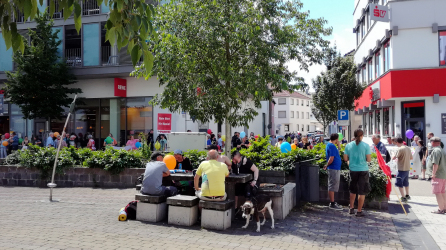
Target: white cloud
345,42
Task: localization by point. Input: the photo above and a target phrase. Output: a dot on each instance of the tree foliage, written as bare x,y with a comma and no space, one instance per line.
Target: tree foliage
39,85
231,51
129,22
336,89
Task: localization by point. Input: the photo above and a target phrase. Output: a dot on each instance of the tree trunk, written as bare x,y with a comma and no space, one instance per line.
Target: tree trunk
228,141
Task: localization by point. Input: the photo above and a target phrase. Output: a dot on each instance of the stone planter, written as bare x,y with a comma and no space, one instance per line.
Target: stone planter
73,177
272,176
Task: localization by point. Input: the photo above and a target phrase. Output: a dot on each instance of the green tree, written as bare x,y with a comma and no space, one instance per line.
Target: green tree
129,22
336,89
218,60
39,86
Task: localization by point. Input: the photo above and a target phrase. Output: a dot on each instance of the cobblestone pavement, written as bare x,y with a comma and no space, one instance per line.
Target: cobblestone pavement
87,218
435,224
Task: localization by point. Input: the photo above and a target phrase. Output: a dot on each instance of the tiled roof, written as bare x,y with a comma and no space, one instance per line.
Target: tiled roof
294,94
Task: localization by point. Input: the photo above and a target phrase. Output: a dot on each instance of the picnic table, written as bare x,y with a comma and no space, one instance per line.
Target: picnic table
230,181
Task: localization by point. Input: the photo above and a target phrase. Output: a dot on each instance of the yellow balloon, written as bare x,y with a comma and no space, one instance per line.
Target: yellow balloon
170,161
157,145
293,146
223,137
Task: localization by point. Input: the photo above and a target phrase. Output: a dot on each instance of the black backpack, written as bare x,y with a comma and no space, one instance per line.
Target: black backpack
130,209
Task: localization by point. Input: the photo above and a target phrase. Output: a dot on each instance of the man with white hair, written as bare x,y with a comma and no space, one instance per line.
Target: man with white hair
213,174
49,140
415,141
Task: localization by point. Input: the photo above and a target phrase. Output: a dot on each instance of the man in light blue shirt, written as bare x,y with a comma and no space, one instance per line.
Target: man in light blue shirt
357,154
49,140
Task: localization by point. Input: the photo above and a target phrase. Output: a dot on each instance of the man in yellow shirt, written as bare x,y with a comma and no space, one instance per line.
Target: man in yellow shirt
213,174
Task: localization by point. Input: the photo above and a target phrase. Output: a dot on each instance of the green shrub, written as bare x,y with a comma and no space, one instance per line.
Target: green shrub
196,157
115,161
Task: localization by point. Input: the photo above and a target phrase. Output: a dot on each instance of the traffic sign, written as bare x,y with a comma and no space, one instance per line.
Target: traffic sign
343,117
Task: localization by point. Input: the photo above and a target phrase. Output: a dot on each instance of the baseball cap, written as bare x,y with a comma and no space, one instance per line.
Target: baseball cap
155,155
435,139
178,152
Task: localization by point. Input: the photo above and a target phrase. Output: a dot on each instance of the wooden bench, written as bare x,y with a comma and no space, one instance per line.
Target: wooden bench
183,210
151,208
216,215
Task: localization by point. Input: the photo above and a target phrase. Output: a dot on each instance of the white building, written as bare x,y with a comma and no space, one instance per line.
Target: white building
403,63
292,113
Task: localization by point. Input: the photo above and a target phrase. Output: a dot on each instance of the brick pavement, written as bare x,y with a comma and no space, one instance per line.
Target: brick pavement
86,218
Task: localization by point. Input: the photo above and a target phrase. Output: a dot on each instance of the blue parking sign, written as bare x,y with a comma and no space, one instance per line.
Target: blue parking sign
343,115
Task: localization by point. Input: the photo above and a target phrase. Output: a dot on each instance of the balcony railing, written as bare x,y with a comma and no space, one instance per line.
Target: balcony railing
19,17
73,57
90,7
108,57
57,14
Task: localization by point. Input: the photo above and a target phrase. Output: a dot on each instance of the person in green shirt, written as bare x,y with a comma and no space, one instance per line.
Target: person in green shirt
437,167
357,154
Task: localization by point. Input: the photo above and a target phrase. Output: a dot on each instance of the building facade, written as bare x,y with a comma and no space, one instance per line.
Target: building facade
292,113
113,102
402,62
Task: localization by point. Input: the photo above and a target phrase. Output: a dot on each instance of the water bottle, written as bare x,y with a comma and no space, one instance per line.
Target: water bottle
180,166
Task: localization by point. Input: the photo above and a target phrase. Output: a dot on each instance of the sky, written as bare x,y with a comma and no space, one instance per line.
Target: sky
339,15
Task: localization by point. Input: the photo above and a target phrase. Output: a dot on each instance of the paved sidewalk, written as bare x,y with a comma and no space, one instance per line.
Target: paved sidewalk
435,224
88,219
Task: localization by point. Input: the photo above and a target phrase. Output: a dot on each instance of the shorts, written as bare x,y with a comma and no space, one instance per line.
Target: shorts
359,182
334,176
438,186
402,179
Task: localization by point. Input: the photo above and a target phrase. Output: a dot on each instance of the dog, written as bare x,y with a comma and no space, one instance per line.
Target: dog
256,205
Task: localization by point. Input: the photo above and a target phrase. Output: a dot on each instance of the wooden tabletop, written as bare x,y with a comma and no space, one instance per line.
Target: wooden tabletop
240,178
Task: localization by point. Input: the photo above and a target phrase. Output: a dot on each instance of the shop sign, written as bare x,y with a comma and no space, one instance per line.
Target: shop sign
379,13
164,123
120,87
375,91
443,123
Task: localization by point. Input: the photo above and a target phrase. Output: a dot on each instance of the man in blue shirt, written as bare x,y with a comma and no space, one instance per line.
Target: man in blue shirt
49,140
334,169
381,147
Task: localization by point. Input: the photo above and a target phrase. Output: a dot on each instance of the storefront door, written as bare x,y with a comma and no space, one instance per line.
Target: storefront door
413,117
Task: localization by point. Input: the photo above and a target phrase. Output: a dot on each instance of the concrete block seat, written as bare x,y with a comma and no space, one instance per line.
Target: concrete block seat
138,187
151,208
216,215
283,197
183,210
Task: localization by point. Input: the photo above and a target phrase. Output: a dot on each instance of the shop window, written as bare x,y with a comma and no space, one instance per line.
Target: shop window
386,56
386,120
377,121
378,64
282,101
442,48
393,120
18,124
364,123
139,115
292,114
86,122
282,114
370,66
370,123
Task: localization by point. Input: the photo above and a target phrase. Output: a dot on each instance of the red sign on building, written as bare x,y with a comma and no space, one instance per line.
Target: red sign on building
120,87
164,123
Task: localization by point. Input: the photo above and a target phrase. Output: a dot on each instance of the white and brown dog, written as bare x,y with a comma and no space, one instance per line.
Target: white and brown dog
258,204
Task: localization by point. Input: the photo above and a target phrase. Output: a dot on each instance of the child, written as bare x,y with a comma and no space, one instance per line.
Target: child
163,143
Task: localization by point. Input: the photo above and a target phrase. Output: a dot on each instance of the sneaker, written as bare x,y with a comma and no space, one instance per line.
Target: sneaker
335,206
360,214
408,197
351,211
403,199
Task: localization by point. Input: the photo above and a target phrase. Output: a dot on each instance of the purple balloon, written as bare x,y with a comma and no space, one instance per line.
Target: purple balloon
409,134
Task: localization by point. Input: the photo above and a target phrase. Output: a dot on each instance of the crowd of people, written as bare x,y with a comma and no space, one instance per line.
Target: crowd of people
357,155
